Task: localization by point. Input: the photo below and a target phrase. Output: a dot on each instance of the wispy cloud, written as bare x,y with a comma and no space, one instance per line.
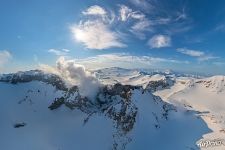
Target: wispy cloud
141,25
207,57
126,13
96,32
159,41
5,57
218,63
66,50
161,21
200,55
125,60
194,53
140,28
139,21
58,52
143,4
96,35
220,28
95,10
181,15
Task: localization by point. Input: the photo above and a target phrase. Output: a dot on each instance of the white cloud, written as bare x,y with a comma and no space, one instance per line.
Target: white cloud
5,56
96,35
142,25
139,27
139,24
194,53
207,57
137,15
57,52
125,61
143,4
48,69
162,21
201,56
95,10
181,15
126,13
159,41
66,50
220,28
219,63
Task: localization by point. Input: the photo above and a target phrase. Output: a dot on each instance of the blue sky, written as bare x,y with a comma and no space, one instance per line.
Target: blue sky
182,35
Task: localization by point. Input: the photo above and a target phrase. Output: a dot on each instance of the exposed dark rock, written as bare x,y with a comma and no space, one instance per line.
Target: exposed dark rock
160,84
19,125
57,103
113,101
35,75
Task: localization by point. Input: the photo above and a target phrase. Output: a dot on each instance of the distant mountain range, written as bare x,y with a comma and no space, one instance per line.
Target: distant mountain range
132,109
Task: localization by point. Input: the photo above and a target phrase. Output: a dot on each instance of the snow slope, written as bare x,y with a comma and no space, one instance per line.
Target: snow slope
128,76
198,93
46,129
205,95
121,117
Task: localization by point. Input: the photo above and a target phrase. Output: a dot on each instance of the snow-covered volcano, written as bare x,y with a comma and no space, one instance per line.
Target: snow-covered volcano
39,111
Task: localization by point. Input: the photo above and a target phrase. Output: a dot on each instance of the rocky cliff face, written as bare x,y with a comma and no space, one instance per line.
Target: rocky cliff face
34,75
115,102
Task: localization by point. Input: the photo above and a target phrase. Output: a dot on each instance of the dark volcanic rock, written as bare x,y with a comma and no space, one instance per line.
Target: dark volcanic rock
34,75
19,125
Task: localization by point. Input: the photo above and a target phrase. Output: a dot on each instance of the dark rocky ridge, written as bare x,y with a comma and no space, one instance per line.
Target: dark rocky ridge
106,103
160,84
34,75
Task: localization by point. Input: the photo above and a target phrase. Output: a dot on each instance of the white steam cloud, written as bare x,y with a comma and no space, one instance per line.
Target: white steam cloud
76,74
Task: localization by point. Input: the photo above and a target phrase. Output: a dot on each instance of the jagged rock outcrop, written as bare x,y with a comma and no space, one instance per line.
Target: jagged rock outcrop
152,86
113,101
34,75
